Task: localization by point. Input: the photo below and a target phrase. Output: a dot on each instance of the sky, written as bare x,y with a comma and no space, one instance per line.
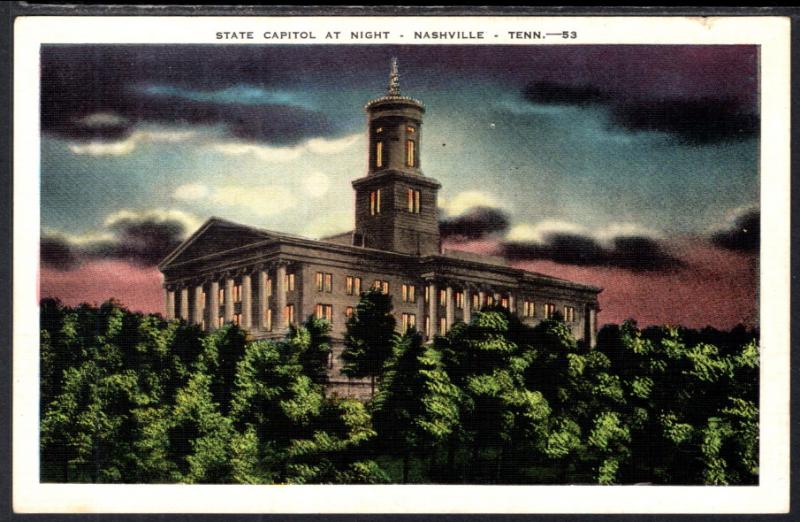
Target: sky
633,168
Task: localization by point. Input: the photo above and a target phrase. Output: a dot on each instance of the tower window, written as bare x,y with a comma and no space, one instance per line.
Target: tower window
379,154
410,152
413,197
378,130
375,202
411,130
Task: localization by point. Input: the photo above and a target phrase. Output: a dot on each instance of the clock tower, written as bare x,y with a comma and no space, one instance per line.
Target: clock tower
396,207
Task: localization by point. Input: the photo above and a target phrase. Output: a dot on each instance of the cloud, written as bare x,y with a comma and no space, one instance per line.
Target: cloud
466,200
190,192
316,184
262,200
274,154
625,246
742,233
129,143
140,237
475,223
691,120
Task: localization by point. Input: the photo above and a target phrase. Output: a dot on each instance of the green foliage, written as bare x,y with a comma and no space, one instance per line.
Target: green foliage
127,397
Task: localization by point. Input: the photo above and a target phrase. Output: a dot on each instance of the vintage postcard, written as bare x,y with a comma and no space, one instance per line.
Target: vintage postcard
401,264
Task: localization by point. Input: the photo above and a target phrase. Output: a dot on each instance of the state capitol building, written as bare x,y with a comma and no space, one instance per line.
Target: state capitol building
264,281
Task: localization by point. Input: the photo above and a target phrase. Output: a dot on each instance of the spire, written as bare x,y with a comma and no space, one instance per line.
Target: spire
394,80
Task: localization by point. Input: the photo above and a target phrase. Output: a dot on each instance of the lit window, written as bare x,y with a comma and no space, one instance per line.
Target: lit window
268,319
352,285
220,321
318,280
381,285
411,130
324,282
329,283
442,325
348,312
504,302
378,130
489,300
375,202
427,293
221,296
412,197
549,310
428,325
237,294
459,300
442,297
410,152
569,314
476,301
324,311
528,309
409,321
237,319
289,281
203,301
379,154
409,293
289,315
269,287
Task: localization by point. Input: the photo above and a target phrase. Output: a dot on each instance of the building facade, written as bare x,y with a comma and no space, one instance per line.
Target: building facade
265,281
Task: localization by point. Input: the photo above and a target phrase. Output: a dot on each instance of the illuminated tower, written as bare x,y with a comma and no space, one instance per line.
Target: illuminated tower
396,205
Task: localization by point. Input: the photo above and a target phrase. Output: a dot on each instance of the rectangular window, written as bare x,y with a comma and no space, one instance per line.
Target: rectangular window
410,152
378,130
288,315
490,300
324,282
412,197
329,283
268,319
289,282
318,280
460,300
221,296
442,326
324,311
476,301
549,310
428,325
375,202
411,130
427,293
528,309
237,319
409,293
352,285
220,321
378,154
504,302
348,312
442,297
269,286
409,321
569,314
381,285
237,294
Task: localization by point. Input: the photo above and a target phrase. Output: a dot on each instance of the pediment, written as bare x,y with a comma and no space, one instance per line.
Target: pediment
216,235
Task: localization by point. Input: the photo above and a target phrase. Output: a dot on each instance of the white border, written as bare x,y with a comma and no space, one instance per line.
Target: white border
772,495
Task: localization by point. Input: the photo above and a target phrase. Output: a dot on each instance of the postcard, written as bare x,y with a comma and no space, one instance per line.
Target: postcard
401,264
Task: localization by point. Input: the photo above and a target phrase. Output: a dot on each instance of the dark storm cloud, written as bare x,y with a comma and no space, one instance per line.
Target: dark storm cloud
744,234
475,223
99,95
550,93
637,253
692,121
144,242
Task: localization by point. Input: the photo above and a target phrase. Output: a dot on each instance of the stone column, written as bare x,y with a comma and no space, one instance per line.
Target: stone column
184,308
433,308
449,313
197,309
467,305
280,297
228,307
169,302
212,305
261,300
247,302
512,303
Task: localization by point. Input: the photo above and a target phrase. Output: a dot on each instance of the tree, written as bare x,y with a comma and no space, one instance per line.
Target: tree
313,344
370,337
416,407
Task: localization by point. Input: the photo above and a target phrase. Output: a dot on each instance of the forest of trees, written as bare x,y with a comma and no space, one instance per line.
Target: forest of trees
133,398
